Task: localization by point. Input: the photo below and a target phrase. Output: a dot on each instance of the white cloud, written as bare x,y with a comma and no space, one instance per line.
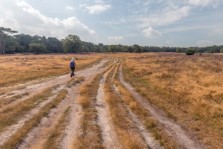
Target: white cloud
204,2
98,8
69,8
188,28
150,32
168,43
115,39
204,43
21,16
165,17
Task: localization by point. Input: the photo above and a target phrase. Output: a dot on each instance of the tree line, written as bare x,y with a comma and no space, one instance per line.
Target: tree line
12,42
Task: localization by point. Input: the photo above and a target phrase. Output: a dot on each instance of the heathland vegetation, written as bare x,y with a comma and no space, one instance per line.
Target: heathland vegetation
124,100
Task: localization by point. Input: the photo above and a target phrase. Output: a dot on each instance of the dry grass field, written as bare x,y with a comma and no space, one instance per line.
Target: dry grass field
121,101
188,88
21,68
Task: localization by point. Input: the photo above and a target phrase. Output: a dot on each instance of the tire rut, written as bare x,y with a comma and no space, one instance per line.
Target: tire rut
34,89
149,139
173,129
73,128
38,135
11,130
108,133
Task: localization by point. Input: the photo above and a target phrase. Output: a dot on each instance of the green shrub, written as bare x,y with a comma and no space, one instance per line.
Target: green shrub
190,52
37,48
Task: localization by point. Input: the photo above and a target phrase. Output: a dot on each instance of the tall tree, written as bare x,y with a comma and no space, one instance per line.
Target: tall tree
24,42
54,45
4,34
72,44
37,48
137,48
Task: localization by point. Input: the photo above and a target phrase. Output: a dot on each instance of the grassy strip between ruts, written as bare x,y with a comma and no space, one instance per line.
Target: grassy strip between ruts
90,136
55,137
34,121
74,81
126,132
148,121
11,115
7,101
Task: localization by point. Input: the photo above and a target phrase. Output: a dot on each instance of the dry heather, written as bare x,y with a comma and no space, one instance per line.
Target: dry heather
188,88
22,68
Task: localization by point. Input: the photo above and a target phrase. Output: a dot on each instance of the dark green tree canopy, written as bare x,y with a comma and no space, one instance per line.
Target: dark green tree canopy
71,44
21,43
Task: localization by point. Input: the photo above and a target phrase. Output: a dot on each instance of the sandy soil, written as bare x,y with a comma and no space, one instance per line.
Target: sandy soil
108,134
38,135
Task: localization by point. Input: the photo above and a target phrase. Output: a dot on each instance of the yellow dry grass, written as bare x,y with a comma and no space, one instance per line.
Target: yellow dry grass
188,88
21,68
148,121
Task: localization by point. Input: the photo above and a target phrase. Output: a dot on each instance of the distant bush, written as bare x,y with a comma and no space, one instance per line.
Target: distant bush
190,52
37,48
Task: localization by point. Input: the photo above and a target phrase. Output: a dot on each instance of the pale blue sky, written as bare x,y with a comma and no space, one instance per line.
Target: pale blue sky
144,22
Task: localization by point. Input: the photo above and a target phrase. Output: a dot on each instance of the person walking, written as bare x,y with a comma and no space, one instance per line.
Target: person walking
72,67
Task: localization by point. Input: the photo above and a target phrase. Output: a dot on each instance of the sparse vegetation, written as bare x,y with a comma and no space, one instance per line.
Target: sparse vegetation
21,68
186,89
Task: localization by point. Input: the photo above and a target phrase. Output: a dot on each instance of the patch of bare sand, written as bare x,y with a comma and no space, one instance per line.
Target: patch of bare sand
34,88
108,133
38,135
